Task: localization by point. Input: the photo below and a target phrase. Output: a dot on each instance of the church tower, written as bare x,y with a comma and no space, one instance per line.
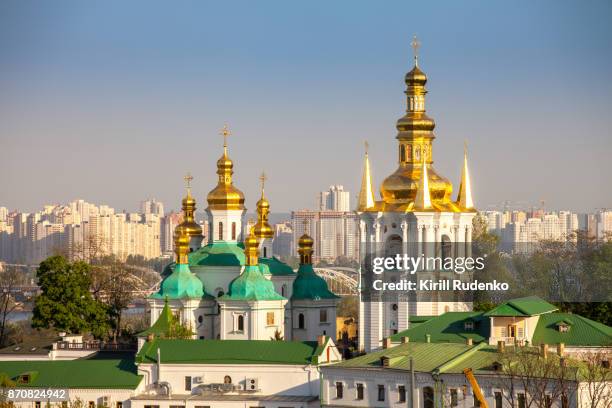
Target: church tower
225,210
192,228
415,216
251,309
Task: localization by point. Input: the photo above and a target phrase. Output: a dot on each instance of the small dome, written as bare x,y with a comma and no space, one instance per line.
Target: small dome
416,77
225,196
305,242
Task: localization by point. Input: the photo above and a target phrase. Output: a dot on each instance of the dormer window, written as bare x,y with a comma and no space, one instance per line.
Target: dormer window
563,326
468,326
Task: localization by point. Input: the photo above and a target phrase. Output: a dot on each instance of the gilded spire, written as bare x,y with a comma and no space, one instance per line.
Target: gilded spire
191,227
225,196
423,195
251,249
464,197
366,194
262,228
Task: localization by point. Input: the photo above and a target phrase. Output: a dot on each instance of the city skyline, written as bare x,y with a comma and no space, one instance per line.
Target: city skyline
106,106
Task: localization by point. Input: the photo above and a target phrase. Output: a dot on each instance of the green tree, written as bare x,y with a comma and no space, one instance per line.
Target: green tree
66,303
178,330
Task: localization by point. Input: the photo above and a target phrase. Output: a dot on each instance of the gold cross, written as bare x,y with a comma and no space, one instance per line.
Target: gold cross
415,44
188,178
263,179
367,146
225,132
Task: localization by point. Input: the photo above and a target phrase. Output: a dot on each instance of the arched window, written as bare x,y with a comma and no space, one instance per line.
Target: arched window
265,252
240,323
428,397
393,246
284,290
227,379
301,321
220,231
402,153
233,230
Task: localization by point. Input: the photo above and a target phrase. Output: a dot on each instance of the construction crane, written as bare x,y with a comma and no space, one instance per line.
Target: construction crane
469,374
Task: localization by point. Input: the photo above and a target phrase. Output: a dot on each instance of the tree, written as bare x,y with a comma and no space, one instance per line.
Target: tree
596,375
114,285
277,336
178,330
66,303
9,280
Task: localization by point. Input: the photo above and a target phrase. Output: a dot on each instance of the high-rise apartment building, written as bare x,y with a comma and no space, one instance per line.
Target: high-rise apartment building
334,199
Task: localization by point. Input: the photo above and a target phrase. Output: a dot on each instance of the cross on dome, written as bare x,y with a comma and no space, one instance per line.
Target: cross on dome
415,44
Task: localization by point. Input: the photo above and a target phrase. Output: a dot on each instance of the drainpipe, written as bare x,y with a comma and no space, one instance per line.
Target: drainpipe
412,384
158,365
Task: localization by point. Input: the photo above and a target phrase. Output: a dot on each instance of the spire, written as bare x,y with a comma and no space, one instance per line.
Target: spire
415,44
366,194
423,195
262,228
464,197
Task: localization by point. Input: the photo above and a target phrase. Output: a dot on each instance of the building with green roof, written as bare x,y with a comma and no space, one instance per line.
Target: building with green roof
519,321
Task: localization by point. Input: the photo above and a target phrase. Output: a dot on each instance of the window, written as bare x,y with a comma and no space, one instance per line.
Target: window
402,393
37,404
521,401
564,401
323,315
187,383
240,323
233,230
339,390
359,391
428,397
402,153
265,252
220,231
498,399
381,392
90,404
284,290
454,397
200,319
270,318
301,324
119,404
468,326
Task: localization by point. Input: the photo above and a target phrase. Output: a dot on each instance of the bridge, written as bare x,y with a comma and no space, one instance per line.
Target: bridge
342,281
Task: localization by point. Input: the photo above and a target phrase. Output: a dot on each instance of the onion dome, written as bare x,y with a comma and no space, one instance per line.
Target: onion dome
181,283
307,284
225,196
192,228
251,249
262,228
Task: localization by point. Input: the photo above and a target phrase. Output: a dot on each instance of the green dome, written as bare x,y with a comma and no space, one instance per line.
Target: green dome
276,267
251,285
181,283
309,285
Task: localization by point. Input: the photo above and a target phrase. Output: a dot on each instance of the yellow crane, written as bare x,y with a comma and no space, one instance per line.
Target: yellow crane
469,374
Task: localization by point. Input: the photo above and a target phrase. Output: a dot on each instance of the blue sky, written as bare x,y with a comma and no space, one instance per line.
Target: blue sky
114,101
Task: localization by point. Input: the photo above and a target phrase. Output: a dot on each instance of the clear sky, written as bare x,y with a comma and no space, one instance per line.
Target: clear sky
113,101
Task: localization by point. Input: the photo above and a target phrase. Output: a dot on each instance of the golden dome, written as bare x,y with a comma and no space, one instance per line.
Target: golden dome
416,77
262,228
192,228
251,249
305,244
401,186
225,196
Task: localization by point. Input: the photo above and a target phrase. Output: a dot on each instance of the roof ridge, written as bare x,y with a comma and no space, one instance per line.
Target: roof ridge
459,358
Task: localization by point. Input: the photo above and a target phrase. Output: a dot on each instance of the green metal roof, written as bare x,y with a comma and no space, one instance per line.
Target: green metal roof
180,284
251,285
96,373
582,331
448,328
162,325
229,352
219,253
527,306
309,285
276,267
428,357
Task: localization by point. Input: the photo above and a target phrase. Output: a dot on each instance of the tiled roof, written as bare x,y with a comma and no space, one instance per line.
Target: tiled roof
229,352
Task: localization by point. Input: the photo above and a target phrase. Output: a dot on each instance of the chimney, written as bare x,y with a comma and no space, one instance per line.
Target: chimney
387,342
561,349
405,339
469,341
544,350
428,338
501,346
321,340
